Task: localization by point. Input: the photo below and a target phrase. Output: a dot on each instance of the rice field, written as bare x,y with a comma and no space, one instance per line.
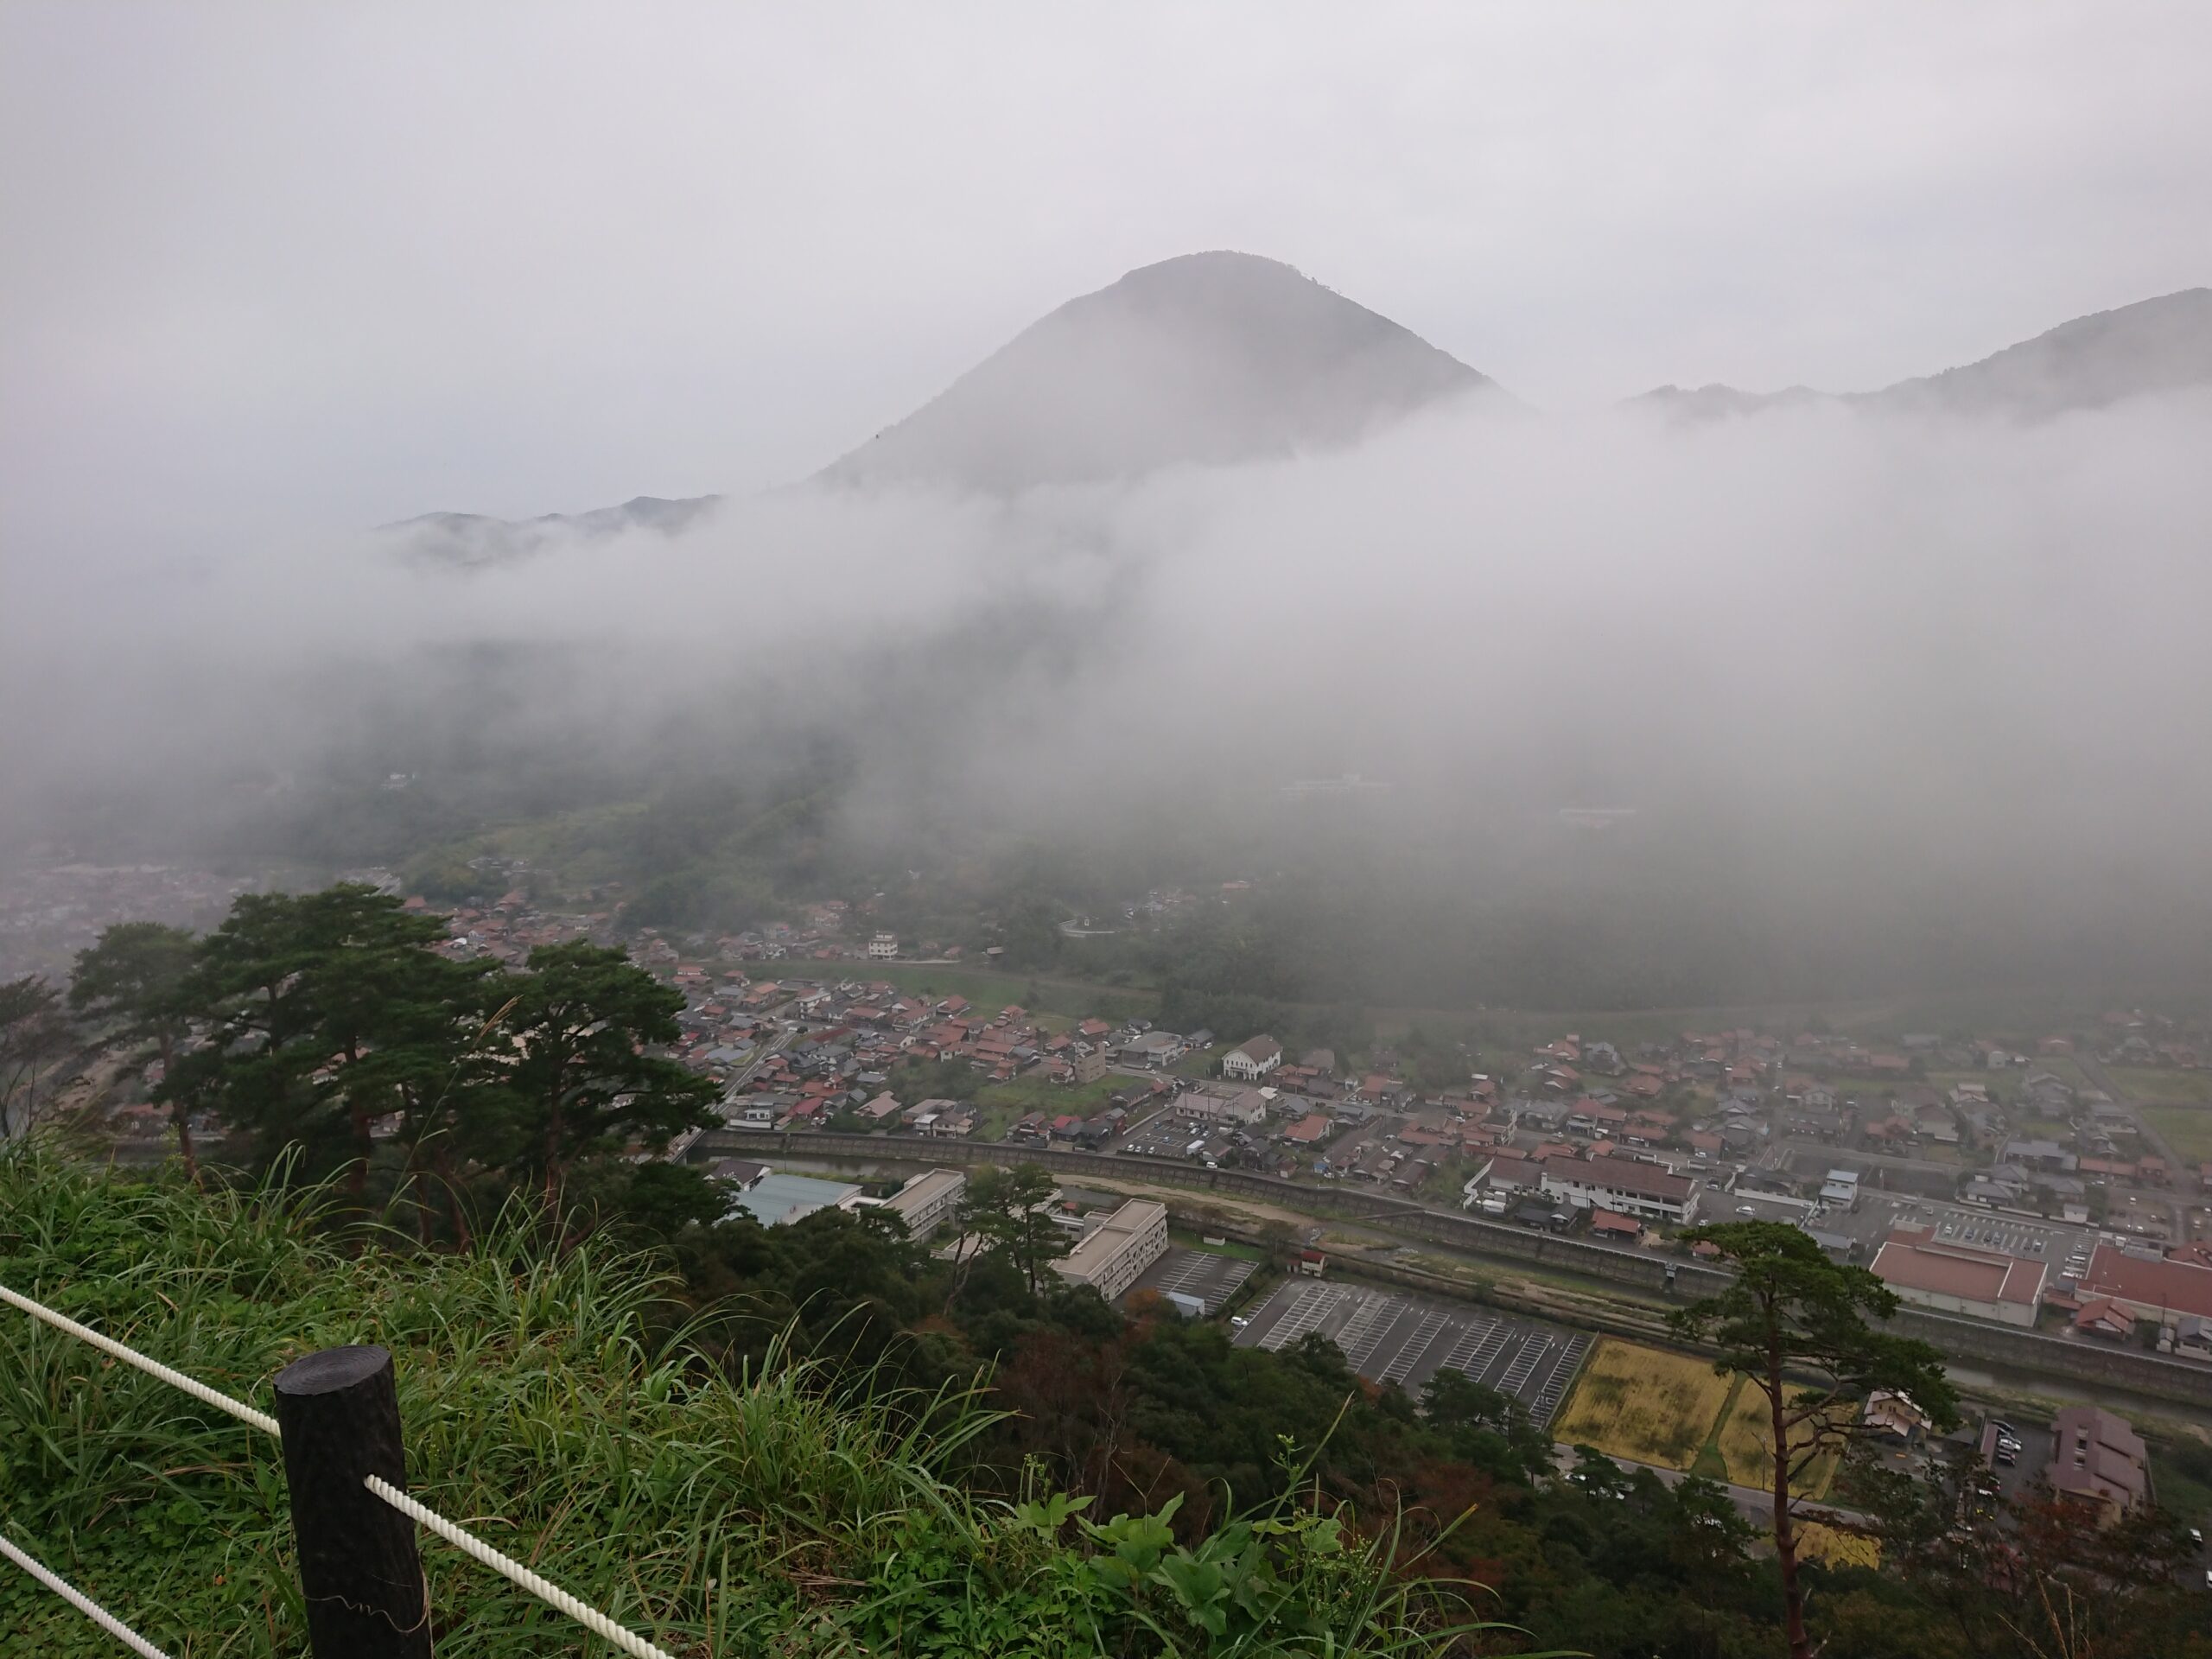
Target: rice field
1745,1440
1670,1410
1834,1547
1643,1404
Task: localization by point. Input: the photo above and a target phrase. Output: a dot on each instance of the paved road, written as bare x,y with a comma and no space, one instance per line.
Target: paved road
1754,1503
1781,1149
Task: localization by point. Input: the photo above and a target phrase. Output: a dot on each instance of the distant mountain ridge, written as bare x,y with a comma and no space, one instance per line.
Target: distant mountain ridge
1211,358
2154,345
1220,358
469,539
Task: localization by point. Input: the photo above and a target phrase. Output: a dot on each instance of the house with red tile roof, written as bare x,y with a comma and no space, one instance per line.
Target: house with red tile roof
2103,1316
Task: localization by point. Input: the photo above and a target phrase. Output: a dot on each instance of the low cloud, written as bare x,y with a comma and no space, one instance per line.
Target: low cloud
1872,652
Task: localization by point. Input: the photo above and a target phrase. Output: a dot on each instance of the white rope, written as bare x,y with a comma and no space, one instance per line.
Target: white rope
85,1604
153,1368
515,1573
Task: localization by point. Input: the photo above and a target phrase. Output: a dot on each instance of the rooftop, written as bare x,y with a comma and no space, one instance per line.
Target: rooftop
778,1197
2095,1454
1622,1175
1111,1234
925,1189
1917,1261
2183,1286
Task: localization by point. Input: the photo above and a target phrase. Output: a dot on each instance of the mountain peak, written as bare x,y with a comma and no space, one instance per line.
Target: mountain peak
1208,359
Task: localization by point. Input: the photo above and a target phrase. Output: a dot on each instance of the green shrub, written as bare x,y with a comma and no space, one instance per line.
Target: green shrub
778,1511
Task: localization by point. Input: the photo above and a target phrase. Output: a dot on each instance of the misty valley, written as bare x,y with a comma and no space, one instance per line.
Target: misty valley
1232,993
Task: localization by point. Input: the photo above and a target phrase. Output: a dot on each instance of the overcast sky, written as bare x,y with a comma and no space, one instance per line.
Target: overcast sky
332,265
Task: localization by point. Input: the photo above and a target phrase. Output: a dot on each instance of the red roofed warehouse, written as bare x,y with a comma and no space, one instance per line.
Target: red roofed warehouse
2148,1287
1952,1278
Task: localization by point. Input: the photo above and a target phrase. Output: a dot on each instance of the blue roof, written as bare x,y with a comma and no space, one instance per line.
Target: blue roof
777,1197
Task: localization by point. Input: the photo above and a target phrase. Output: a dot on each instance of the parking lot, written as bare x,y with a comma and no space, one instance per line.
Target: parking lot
1213,1279
1163,1134
2139,1215
1387,1337
2014,1480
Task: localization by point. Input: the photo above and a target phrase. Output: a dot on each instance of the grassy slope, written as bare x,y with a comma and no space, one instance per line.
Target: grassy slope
742,1516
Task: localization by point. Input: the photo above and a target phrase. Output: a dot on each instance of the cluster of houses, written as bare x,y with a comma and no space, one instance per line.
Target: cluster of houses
508,928
49,912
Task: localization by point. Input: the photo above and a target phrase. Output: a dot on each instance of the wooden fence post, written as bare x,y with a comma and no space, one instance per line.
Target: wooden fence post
340,1411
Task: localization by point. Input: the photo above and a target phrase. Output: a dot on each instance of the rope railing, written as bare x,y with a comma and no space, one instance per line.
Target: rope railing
383,1489
84,1603
512,1570
153,1368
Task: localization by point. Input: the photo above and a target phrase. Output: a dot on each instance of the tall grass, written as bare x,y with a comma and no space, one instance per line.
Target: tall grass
768,1512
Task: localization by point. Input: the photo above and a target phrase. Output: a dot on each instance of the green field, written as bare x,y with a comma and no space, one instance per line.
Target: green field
991,990
2187,1129
2155,1086
998,1104
2181,1475
1242,1252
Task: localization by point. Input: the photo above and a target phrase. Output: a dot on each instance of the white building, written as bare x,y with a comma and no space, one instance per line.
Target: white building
1115,1252
1154,1048
1252,1060
1621,1184
883,946
1217,1104
927,1200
